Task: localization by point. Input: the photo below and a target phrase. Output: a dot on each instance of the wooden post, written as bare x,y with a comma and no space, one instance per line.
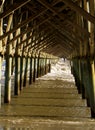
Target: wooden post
12,66
92,53
8,57
92,28
25,72
93,84
1,33
34,70
0,75
21,72
42,66
38,64
17,75
30,78
46,65
49,65
41,72
82,78
7,92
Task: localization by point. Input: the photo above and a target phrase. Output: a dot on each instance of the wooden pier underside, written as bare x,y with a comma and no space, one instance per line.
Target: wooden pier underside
35,33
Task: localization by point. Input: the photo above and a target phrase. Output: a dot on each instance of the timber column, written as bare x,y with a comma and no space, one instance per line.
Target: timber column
30,75
38,64
92,54
7,92
1,33
17,75
21,72
25,71
49,66
46,65
34,70
8,58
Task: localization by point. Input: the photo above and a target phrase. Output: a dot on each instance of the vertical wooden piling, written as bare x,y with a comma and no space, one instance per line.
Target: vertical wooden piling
17,75
21,72
12,66
25,71
49,65
0,74
8,57
30,77
46,65
93,85
7,92
34,69
1,33
40,67
38,63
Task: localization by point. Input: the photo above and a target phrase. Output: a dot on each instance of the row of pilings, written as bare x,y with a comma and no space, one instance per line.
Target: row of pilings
83,70
26,69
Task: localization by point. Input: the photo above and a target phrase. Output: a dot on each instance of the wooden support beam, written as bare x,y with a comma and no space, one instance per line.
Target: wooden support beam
34,70
17,75
21,71
28,38
47,47
31,68
45,65
85,24
1,33
7,92
56,50
42,41
13,8
64,44
38,66
63,27
10,20
66,36
25,22
1,48
43,44
92,28
79,10
30,19
62,16
49,66
93,87
25,72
